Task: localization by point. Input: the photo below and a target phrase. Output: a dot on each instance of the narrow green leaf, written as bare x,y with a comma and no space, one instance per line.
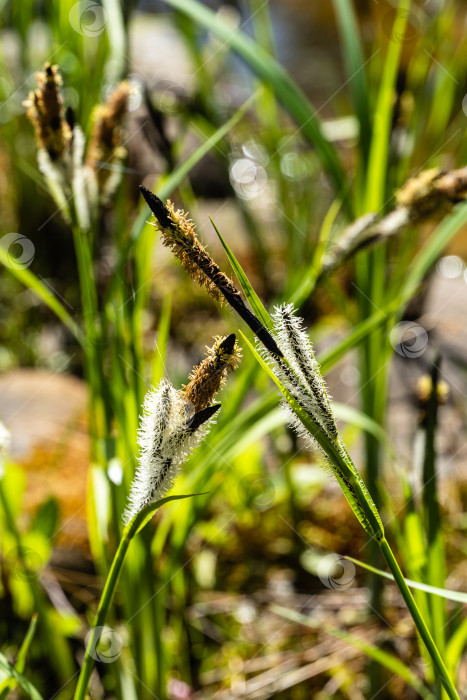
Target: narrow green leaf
253,299
10,683
457,596
361,420
135,525
349,480
364,328
23,682
455,647
435,569
309,277
434,247
379,655
269,70
26,644
168,185
382,118
29,280
354,63
141,519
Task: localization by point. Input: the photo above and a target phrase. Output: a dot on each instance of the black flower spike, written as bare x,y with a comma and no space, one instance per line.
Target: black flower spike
178,234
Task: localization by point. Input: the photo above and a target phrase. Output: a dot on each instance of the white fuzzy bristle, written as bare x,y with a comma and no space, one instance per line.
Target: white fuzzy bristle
165,444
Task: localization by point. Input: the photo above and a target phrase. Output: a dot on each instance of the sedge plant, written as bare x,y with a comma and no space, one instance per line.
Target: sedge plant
285,352
172,425
82,175
112,326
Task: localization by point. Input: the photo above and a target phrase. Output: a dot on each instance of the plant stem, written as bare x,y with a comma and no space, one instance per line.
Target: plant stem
418,619
103,609
133,527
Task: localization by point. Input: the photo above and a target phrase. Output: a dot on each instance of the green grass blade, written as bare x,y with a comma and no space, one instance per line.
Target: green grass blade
135,525
25,646
10,671
379,655
361,420
253,299
457,596
116,65
9,684
379,150
455,647
349,480
329,358
354,62
435,558
434,247
29,280
271,72
169,184
309,277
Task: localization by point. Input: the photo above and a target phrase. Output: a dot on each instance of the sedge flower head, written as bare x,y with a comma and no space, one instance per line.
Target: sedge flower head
175,422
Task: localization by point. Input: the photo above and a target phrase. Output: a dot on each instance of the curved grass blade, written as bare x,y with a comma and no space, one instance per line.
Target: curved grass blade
349,480
310,276
252,298
26,644
10,683
10,671
433,248
455,647
457,596
271,72
379,655
361,420
29,280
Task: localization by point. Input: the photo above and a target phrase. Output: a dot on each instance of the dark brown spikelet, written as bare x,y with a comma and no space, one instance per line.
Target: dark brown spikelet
45,112
210,375
178,234
106,143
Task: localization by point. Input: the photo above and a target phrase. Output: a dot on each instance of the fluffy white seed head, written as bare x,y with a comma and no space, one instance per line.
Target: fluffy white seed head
165,442
301,375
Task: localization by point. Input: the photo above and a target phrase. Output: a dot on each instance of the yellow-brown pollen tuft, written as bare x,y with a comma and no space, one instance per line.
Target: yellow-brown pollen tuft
106,142
207,378
178,234
420,194
45,111
425,389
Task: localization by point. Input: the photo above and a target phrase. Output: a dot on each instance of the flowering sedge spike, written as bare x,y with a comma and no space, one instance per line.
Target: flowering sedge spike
302,375
75,184
175,422
178,234
54,135
106,150
210,375
286,349
45,111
